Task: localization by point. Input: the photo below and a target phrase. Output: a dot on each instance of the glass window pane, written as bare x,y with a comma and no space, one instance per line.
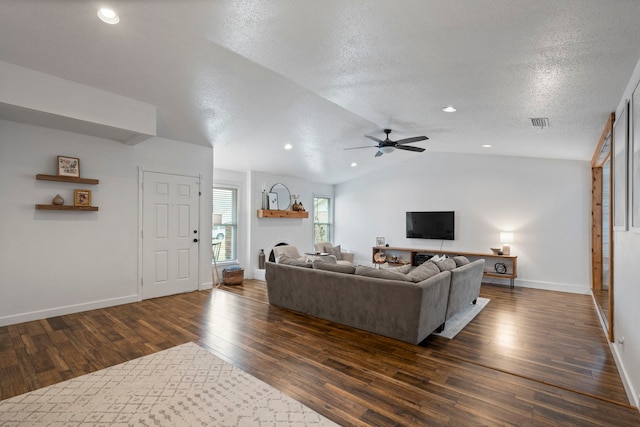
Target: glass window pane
224,222
321,219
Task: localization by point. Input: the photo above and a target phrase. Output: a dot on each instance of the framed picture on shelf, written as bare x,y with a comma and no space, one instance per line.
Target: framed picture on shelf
620,150
379,241
81,197
273,201
68,166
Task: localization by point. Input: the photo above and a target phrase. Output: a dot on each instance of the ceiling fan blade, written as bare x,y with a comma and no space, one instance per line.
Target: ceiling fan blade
410,148
364,146
414,139
378,153
374,139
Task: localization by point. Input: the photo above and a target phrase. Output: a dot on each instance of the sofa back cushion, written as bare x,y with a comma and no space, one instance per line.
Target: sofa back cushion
404,269
446,265
329,266
422,272
287,260
362,270
460,260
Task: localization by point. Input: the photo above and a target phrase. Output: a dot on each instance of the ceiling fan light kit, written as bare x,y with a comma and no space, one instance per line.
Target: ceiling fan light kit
387,146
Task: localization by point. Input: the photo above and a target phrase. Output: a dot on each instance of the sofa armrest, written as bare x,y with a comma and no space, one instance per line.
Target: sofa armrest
348,256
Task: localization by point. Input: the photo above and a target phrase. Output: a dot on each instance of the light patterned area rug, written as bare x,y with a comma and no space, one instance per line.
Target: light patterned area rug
181,386
462,318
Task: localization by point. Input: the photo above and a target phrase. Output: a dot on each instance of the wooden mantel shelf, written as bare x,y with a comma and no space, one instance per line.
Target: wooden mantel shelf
265,213
43,177
66,208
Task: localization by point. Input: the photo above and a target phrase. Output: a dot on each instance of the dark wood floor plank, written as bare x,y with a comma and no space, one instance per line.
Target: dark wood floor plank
529,358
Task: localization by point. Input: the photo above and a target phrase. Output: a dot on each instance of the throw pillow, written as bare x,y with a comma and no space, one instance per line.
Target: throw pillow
404,269
461,260
362,270
335,251
446,265
338,268
283,259
423,272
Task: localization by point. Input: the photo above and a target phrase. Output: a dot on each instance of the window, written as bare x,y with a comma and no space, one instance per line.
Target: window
224,229
321,219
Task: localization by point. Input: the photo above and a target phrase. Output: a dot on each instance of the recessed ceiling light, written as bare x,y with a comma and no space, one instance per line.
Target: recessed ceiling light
354,164
288,147
487,145
449,109
108,16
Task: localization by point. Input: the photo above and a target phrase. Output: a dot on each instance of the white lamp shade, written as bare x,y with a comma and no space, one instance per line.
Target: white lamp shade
506,237
217,219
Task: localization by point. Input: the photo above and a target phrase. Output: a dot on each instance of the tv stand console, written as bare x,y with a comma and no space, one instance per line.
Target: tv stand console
496,266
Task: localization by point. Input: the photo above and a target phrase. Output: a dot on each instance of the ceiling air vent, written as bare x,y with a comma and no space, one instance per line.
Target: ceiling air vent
540,122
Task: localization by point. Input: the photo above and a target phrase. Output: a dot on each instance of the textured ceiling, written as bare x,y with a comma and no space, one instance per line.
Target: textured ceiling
250,76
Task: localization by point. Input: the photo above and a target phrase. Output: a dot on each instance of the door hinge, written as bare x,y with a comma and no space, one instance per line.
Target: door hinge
141,281
199,193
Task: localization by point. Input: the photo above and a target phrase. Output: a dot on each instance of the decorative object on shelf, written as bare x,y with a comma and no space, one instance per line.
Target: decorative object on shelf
379,241
394,258
261,259
58,200
380,257
81,197
496,251
68,166
301,208
500,267
273,201
295,206
283,200
265,203
506,237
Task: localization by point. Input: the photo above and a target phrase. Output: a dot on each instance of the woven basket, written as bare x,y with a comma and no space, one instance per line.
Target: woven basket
232,276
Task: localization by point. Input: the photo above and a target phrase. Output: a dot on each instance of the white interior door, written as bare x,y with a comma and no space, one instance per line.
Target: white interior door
170,234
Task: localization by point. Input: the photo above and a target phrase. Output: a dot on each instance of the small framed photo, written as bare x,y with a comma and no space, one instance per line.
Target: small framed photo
68,166
273,201
379,241
81,197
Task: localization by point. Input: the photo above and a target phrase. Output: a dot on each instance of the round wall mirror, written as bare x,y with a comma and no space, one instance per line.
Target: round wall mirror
284,196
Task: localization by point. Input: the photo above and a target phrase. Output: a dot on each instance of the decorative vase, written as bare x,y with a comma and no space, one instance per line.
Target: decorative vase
264,200
58,200
261,259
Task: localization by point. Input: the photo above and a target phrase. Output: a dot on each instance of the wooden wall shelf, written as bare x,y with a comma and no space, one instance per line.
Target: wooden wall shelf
66,208
43,177
265,213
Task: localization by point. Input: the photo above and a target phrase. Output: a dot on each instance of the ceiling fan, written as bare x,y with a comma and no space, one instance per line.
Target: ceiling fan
387,146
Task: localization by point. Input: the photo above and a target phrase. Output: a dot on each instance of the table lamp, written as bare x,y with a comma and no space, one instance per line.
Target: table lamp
506,237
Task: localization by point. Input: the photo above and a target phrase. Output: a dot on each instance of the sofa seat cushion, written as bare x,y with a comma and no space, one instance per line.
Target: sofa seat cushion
338,268
423,272
287,260
363,270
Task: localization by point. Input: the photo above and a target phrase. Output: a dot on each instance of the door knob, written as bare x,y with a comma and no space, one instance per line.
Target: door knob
195,240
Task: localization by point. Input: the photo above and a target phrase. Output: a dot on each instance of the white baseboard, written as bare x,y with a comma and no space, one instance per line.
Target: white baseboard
67,309
205,286
548,286
259,274
633,397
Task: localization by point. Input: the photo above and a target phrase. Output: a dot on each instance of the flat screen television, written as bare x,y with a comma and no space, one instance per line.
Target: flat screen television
430,225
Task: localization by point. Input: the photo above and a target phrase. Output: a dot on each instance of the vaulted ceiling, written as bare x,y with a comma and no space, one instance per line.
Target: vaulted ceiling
248,77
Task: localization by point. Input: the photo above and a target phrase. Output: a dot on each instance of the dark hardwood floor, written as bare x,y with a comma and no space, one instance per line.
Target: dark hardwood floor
530,357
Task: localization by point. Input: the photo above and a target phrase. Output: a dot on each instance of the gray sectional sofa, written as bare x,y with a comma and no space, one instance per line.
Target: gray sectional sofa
393,304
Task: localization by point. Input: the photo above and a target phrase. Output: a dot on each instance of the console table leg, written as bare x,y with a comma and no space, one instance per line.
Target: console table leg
512,284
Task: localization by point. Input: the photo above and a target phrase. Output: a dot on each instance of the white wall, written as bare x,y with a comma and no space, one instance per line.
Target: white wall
59,262
626,287
266,232
546,203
